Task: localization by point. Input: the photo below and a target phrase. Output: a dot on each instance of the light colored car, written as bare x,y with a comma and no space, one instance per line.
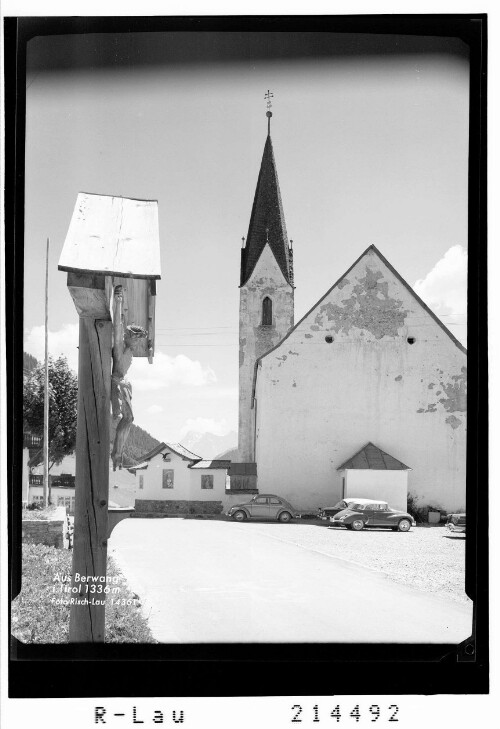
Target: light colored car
326,512
370,513
264,506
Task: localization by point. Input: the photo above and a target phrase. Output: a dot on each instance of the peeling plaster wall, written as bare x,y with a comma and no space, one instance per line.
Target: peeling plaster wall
255,339
318,403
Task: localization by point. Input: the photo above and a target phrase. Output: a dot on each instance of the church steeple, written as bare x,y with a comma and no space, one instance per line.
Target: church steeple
267,222
266,290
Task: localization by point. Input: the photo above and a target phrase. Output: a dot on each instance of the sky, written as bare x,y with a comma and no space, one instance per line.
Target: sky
371,145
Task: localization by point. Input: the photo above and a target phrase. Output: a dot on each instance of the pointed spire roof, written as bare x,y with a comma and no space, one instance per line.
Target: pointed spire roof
267,222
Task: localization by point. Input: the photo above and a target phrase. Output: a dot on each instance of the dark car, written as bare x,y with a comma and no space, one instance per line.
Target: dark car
455,524
263,506
370,513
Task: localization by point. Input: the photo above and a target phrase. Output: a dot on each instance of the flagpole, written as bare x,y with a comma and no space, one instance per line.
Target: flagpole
46,490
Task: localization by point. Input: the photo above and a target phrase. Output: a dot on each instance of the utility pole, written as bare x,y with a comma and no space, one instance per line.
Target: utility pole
46,490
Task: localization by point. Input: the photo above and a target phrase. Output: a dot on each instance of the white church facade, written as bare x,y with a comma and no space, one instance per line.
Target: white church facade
368,364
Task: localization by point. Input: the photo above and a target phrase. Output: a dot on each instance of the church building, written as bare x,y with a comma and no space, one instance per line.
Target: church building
368,383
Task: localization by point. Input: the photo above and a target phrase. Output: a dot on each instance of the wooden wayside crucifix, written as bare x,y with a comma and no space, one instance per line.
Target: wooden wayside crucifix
112,257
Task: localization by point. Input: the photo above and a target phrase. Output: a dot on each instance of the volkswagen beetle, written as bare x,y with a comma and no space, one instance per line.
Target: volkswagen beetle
263,506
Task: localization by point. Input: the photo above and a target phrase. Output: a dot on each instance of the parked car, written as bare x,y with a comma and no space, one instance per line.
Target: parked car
325,512
455,524
370,513
263,506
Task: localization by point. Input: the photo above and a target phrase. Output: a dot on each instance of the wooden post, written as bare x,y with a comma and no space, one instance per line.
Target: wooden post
87,614
108,237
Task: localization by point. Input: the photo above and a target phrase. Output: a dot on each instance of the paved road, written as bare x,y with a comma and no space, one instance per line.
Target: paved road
216,582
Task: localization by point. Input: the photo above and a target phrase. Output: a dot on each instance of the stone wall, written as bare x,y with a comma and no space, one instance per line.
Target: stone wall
148,506
46,531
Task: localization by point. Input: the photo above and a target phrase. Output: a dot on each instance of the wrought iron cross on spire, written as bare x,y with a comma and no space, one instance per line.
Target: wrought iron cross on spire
268,96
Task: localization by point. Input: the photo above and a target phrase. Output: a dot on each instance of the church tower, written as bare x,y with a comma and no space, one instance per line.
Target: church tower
266,289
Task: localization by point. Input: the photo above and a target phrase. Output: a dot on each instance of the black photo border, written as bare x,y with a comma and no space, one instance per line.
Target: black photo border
80,670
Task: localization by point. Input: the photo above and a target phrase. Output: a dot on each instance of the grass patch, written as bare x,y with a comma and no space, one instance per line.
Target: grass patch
39,514
36,619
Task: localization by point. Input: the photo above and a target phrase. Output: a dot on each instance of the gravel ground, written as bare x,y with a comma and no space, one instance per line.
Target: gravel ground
424,557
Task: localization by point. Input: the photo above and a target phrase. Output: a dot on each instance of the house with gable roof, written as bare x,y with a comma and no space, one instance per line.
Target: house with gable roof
173,480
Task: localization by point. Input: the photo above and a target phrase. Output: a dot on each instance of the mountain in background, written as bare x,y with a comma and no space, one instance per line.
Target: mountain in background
208,445
230,455
139,442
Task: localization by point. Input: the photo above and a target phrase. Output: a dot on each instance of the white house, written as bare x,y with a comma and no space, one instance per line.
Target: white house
172,479
371,473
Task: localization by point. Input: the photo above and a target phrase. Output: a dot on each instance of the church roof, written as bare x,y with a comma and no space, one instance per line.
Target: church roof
213,463
398,276
175,447
267,221
373,458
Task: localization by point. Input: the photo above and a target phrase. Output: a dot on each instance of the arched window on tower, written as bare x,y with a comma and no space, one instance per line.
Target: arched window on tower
267,312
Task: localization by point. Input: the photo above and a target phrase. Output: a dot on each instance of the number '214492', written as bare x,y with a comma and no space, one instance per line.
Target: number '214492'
372,713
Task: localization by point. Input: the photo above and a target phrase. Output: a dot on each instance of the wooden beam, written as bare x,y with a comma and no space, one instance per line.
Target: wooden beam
151,321
92,479
138,308
90,295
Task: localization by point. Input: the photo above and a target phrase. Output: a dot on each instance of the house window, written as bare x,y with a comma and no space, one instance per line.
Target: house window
60,500
167,478
141,482
207,482
267,312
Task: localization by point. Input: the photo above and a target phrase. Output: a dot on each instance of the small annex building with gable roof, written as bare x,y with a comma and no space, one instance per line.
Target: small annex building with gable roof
371,473
368,363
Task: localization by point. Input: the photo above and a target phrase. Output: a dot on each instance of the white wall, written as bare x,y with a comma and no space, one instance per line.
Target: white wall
186,482
319,403
215,494
153,479
390,486
36,495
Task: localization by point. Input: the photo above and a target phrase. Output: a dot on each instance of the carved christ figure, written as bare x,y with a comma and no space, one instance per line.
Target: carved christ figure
125,345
